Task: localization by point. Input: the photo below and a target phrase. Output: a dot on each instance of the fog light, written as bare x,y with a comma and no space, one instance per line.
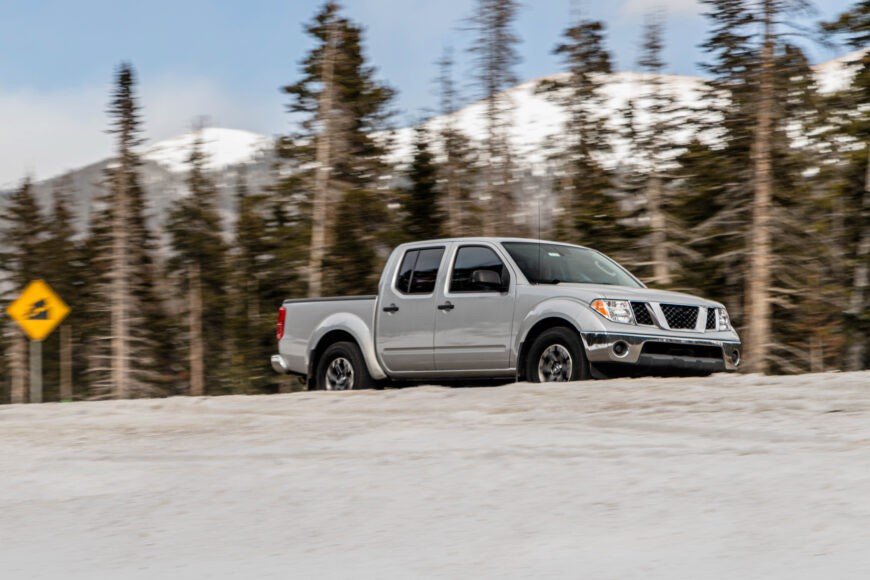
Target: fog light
620,349
735,357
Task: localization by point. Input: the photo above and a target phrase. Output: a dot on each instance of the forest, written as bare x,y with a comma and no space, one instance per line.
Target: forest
765,207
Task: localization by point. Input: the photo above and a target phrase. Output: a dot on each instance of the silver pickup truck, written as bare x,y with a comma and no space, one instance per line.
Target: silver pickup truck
501,308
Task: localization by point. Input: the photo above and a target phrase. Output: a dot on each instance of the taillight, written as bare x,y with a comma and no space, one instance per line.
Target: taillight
282,313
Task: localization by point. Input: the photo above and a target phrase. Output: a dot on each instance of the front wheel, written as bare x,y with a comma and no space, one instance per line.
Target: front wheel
557,355
342,368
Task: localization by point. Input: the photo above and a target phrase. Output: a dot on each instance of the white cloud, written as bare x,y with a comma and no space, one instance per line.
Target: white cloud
43,134
673,7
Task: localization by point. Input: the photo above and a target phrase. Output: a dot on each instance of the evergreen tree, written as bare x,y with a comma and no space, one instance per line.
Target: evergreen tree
22,245
853,191
22,256
124,325
251,321
654,145
125,113
200,257
423,218
494,49
458,171
592,214
760,84
65,275
341,106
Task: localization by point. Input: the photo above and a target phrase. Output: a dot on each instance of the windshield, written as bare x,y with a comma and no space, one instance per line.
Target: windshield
544,263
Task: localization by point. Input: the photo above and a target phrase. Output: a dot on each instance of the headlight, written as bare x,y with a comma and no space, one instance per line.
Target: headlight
722,322
615,310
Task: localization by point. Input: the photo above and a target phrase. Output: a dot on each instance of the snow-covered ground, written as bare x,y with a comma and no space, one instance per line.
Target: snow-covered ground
723,477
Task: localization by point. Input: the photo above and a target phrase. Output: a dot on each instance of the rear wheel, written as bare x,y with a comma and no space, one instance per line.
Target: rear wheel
557,355
342,368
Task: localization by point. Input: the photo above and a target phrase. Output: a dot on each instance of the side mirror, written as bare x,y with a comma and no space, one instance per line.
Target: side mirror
488,280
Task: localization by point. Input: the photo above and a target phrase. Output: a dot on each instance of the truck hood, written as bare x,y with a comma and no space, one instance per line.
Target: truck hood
589,292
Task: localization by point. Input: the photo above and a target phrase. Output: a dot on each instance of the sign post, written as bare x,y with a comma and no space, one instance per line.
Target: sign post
37,311
35,371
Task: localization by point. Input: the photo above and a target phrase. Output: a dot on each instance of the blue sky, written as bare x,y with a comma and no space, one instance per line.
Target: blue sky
227,59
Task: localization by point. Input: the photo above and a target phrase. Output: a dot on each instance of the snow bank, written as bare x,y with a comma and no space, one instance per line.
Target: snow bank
724,477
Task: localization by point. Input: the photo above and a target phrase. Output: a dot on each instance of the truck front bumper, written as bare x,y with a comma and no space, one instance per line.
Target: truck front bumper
661,352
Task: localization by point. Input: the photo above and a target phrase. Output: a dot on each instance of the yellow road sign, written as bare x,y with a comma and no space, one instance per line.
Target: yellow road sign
38,310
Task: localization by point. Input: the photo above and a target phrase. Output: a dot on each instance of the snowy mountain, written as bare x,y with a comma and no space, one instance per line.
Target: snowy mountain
223,148
536,119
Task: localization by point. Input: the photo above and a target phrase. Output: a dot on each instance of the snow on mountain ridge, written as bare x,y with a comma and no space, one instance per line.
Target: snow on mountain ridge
535,120
223,148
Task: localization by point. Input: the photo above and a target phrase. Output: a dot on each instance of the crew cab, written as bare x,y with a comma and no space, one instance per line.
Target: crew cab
501,308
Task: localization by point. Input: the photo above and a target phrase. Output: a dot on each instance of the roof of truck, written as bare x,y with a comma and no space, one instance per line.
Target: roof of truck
489,239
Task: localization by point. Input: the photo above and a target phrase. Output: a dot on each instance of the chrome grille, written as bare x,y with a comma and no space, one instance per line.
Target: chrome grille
641,313
679,316
711,319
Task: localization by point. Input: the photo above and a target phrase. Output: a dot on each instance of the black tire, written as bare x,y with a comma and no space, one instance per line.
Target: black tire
561,345
342,367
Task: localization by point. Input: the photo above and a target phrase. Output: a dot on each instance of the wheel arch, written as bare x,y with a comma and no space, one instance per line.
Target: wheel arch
534,332
336,328
327,340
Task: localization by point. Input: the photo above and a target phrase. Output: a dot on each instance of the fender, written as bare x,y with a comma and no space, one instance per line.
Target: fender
573,311
358,329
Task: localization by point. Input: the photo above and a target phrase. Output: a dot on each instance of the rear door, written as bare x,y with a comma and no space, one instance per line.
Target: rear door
473,323
406,313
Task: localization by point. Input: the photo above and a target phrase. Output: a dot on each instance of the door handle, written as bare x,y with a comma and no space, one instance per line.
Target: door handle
391,308
446,306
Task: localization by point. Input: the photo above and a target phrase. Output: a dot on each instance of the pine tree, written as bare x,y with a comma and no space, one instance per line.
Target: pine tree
65,275
494,49
761,83
200,257
655,143
340,117
457,171
592,214
124,111
124,328
251,321
854,191
421,205
22,253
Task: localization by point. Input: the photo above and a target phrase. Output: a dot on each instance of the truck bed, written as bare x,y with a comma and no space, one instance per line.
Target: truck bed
305,316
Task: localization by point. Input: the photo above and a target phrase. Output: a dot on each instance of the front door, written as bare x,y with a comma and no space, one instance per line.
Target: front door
473,320
406,313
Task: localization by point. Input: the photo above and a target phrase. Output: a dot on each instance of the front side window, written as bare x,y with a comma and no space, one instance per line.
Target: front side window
469,259
419,271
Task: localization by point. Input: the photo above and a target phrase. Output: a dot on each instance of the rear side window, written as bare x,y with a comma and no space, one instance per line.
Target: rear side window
469,259
406,270
419,271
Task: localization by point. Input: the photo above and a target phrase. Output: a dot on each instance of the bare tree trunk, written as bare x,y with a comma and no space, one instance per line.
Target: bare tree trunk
857,351
448,98
66,386
197,380
758,299
454,224
661,268
18,368
817,358
489,227
120,286
320,230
